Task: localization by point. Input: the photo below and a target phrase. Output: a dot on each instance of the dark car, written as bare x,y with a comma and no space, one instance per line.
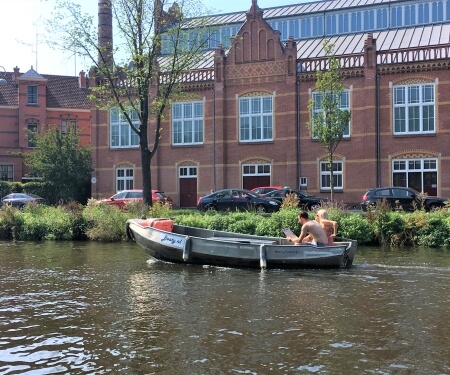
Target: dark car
401,197
123,197
261,190
305,200
19,200
236,200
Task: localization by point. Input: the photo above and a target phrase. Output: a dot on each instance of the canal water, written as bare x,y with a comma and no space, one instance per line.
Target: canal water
94,308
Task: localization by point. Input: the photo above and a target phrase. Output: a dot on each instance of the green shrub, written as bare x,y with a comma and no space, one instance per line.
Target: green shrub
435,232
355,227
105,222
11,222
45,223
191,219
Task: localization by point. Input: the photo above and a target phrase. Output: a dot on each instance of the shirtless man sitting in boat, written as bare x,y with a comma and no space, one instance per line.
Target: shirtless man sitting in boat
311,228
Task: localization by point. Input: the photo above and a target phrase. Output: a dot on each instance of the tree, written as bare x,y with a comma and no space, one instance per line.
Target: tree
126,76
62,163
328,120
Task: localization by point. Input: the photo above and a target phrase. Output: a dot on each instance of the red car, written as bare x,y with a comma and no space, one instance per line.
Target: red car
121,198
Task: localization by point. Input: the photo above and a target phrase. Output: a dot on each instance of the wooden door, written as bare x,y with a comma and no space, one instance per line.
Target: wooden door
188,192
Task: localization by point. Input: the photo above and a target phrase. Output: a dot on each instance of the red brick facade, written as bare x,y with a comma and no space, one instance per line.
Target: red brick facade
259,64
55,100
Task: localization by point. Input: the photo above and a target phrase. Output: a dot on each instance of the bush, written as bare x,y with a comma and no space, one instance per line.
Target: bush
105,222
355,227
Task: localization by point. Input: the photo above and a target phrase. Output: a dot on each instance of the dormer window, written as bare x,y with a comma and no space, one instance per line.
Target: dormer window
32,94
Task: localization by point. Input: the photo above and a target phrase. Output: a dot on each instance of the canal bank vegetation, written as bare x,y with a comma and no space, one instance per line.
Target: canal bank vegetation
99,222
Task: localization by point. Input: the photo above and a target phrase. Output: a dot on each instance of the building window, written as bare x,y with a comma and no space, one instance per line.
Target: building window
124,179
68,124
418,174
256,119
6,172
32,94
325,175
187,123
122,135
414,109
344,104
410,15
256,170
437,11
32,130
369,20
382,18
331,26
424,13
187,172
356,21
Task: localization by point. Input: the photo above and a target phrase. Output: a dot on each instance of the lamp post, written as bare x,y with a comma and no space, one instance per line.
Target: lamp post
2,80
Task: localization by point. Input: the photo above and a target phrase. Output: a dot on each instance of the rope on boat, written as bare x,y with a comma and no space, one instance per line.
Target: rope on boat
187,246
262,256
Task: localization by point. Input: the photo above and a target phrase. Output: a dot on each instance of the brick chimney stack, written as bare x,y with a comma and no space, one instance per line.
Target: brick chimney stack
82,80
105,34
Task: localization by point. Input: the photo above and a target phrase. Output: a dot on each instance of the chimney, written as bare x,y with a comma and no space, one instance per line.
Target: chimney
105,35
82,80
16,72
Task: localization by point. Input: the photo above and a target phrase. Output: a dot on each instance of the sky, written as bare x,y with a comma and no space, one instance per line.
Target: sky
22,31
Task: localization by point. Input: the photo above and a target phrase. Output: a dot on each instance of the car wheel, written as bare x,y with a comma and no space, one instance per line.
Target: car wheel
210,207
261,209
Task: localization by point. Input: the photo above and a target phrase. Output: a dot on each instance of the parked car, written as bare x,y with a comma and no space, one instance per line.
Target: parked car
305,200
265,189
19,200
401,197
236,199
121,198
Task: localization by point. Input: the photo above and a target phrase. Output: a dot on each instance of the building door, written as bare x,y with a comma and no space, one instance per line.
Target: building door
188,186
255,175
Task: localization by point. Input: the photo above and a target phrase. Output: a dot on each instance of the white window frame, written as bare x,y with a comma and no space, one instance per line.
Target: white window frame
413,166
121,134
325,175
344,104
419,98
124,178
187,123
256,118
189,171
256,170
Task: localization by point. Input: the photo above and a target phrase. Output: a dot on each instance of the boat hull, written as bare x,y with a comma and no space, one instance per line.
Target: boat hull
191,245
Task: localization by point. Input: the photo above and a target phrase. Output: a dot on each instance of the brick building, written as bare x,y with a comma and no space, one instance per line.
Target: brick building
29,101
246,123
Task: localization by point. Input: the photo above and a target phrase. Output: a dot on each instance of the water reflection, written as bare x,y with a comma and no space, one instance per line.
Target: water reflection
104,308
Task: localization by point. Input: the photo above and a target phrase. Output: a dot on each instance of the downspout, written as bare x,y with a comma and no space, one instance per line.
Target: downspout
214,138
297,126
378,126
